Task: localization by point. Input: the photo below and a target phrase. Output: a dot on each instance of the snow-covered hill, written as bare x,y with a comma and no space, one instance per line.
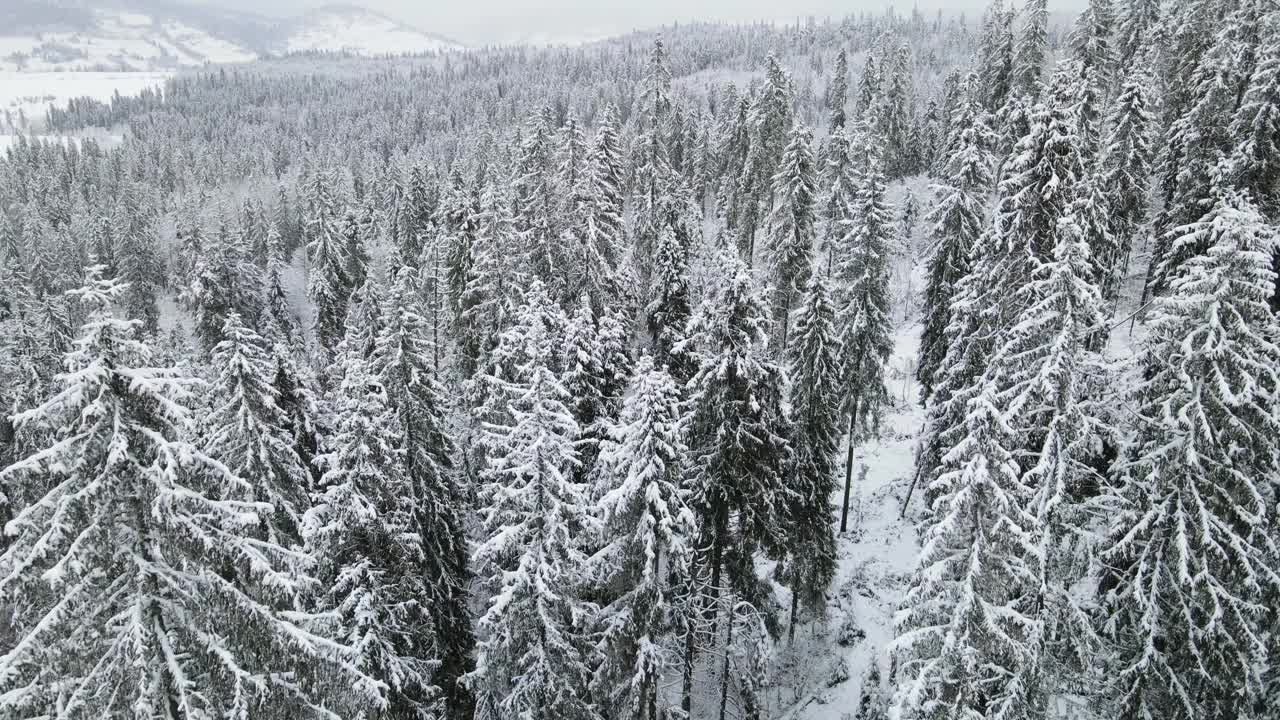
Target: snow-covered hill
116,40
158,36
342,28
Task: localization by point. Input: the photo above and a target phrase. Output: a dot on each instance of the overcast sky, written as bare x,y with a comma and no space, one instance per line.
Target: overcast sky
475,22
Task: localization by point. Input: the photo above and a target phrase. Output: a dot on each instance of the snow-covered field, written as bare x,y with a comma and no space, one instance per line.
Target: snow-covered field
362,33
33,92
118,40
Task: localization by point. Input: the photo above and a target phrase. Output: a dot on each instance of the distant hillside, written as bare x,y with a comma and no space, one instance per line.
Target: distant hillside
160,35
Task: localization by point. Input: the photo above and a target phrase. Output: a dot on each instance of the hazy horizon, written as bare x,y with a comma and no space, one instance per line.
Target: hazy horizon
495,21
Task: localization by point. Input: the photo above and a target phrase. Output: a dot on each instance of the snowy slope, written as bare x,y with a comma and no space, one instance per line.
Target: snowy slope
116,40
361,32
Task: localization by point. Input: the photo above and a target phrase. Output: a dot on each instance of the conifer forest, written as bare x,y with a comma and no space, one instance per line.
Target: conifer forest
895,367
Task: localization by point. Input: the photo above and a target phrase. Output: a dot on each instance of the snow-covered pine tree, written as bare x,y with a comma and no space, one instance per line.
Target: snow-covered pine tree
1032,48
995,58
403,363
658,201
1040,181
279,322
1192,559
1135,21
738,440
141,268
368,549
869,87
791,226
597,222
770,124
585,377
249,433
815,411
225,281
1256,125
646,569
458,220
328,285
956,222
893,120
120,566
1047,381
1200,110
964,631
532,659
864,323
669,310
1126,173
838,92
839,187
491,282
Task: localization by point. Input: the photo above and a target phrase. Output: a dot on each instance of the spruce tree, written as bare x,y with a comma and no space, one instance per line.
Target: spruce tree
956,222
403,363
1192,559
963,633
646,568
328,285
532,656
791,226
1032,48
738,441
669,311
770,122
996,56
838,92
368,548
864,327
121,565
249,433
815,412
839,187
1126,174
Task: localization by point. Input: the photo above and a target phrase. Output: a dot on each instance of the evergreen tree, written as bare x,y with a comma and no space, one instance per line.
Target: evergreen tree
964,630
792,226
1136,20
956,222
403,363
125,608
249,433
1033,47
770,122
838,92
815,411
646,568
1192,555
1046,379
670,309
1256,125
839,186
362,532
532,657
738,441
328,285
995,59
1126,168
864,327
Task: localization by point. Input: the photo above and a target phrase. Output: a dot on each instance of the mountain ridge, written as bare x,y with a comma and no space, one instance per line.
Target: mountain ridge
162,35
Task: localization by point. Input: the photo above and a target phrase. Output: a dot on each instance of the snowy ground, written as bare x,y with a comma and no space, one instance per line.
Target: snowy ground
25,97
34,92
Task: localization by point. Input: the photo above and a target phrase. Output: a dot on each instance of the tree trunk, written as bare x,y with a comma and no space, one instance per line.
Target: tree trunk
795,606
724,675
848,472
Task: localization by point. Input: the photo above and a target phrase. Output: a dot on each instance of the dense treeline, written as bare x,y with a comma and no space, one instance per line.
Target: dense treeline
519,383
